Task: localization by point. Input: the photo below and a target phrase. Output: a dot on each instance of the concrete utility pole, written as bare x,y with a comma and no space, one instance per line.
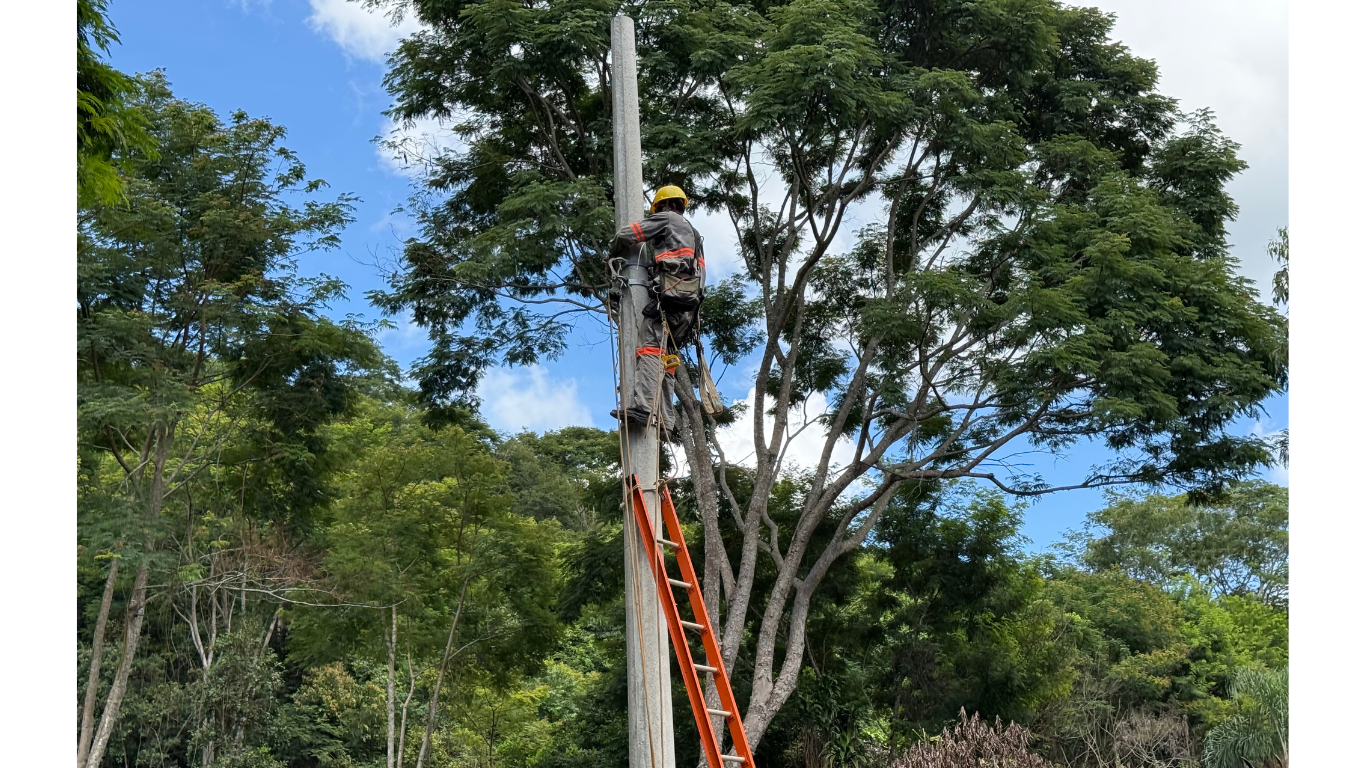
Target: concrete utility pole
649,701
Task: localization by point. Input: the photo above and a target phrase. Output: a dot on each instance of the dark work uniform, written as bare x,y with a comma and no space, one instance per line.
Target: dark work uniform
677,279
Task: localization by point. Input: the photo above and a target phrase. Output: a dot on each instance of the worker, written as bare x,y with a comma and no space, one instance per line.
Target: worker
669,319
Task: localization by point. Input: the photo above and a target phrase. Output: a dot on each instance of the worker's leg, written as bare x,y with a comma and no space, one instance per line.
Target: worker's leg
679,330
649,362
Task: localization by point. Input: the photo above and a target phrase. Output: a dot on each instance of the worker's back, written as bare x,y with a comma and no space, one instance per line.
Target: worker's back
676,249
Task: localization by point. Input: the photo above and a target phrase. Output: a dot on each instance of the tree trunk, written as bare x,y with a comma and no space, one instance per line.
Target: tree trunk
403,713
708,500
162,436
137,607
87,733
393,643
440,678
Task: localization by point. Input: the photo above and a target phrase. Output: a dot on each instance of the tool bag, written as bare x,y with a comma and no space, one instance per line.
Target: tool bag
679,283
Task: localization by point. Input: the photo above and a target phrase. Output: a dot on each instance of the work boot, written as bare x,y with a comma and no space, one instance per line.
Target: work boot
633,415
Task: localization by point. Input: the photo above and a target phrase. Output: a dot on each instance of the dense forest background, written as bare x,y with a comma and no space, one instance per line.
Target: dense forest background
287,558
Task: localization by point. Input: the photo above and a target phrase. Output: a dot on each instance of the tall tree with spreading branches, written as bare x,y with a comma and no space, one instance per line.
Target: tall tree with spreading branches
1042,261
192,329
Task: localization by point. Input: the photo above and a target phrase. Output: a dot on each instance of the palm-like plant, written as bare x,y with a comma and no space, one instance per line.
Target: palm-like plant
1259,733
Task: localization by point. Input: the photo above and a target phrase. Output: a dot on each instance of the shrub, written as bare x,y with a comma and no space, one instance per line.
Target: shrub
972,743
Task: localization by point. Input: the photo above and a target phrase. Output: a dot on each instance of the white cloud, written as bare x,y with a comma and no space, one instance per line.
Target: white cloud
361,32
803,450
529,398
405,338
409,150
1280,474
719,244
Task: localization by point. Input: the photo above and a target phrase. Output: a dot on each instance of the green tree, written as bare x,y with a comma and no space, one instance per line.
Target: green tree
1237,546
1131,675
570,475
108,122
193,331
1279,250
1048,263
427,532
965,617
1046,260
1153,666
940,611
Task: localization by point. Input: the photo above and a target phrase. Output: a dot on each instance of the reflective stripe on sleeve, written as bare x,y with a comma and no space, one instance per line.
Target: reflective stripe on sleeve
640,233
677,253
649,351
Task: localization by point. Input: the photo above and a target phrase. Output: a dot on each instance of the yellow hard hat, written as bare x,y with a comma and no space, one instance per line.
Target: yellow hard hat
665,193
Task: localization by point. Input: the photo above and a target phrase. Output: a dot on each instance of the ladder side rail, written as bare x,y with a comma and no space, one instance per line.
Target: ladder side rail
739,739
711,745
669,517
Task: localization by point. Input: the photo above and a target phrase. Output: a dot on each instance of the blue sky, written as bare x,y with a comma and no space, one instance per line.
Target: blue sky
316,67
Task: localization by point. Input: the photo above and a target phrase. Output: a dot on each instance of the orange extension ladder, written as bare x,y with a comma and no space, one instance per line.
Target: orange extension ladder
701,624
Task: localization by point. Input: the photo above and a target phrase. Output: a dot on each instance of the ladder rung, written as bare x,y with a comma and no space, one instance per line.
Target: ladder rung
704,668
721,712
690,625
682,584
667,543
733,758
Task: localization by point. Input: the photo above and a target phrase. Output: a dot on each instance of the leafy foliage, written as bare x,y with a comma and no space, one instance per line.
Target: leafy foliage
1239,546
206,371
190,288
1279,250
1260,732
107,122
